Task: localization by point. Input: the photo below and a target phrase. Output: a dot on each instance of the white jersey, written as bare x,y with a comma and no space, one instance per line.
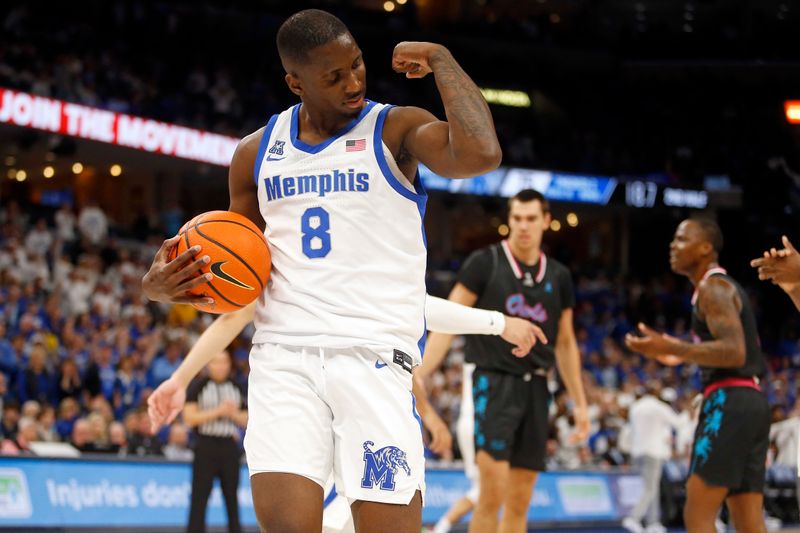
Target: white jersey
345,231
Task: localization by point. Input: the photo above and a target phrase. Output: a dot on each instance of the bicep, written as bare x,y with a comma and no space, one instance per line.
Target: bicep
427,139
242,185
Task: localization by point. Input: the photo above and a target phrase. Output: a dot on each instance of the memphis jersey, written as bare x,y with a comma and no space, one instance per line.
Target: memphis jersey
345,231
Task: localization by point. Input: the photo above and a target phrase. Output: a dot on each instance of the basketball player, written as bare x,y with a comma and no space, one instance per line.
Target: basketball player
169,398
732,436
334,181
510,392
781,267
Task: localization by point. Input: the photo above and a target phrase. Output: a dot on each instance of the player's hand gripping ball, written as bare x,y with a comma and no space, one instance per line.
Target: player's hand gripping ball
240,259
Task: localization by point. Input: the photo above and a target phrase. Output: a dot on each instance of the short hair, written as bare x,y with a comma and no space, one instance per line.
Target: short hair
306,30
711,232
529,195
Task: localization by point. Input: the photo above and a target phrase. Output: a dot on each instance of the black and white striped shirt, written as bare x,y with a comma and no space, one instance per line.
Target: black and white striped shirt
208,394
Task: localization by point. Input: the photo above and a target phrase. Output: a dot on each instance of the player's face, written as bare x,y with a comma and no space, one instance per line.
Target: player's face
334,79
527,222
687,247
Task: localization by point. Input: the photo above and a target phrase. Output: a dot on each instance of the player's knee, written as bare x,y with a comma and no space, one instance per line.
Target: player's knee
492,493
517,504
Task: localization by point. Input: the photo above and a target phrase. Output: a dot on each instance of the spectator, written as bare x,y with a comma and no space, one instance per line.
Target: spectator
118,438
8,424
127,388
652,422
47,424
141,442
39,239
82,436
177,448
100,375
36,382
68,413
28,433
166,364
93,224
69,381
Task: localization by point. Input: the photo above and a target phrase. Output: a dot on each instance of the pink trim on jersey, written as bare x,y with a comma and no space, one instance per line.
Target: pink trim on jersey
512,261
710,272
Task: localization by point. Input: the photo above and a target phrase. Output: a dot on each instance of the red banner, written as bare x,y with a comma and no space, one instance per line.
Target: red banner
29,111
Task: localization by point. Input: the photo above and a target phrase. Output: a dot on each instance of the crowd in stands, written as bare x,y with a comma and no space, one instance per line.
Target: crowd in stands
81,349
124,56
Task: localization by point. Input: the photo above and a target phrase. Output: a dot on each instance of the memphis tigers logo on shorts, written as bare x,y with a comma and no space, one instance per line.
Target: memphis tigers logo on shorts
381,466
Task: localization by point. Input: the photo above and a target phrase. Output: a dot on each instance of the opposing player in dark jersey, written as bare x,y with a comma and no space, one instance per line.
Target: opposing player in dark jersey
732,436
510,389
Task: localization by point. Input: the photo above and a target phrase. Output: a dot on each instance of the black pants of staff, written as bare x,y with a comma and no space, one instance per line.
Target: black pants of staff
214,457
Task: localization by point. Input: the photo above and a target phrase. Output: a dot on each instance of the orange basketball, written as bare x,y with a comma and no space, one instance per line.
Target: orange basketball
240,258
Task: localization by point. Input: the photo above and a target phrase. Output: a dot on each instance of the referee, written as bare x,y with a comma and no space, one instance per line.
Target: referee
216,407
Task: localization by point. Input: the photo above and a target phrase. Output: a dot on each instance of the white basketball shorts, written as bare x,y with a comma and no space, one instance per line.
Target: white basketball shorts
350,411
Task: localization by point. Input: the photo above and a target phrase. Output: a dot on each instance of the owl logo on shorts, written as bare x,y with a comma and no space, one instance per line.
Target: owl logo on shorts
381,466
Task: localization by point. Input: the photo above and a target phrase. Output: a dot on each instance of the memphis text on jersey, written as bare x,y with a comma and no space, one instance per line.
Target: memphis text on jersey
337,181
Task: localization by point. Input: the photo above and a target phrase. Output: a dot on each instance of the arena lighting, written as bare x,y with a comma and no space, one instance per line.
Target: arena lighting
12,173
572,219
502,229
48,172
506,97
792,108
401,2
21,175
77,168
57,116
115,170
555,225
388,6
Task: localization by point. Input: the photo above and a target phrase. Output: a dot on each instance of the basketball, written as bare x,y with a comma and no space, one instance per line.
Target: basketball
240,259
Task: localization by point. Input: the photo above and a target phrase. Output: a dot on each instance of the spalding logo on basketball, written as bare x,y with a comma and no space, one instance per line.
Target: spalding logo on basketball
240,259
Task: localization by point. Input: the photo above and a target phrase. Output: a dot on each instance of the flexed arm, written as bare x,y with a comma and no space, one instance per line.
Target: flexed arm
464,146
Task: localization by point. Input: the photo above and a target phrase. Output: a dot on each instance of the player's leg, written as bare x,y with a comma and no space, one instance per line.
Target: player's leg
286,503
375,517
379,462
289,462
702,504
747,511
729,452
528,455
518,499
746,502
499,408
494,477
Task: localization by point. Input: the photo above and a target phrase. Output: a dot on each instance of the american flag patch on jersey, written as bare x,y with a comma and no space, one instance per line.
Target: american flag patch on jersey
357,145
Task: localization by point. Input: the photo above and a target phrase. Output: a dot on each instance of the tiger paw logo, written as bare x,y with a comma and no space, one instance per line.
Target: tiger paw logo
15,499
380,467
